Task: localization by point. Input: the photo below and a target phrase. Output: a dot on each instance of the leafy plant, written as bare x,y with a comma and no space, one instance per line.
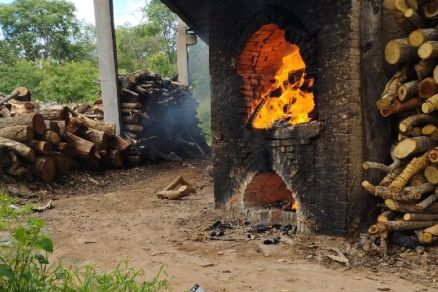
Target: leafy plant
25,267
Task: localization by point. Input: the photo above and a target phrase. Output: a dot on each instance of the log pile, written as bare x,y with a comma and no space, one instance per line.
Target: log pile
409,188
158,117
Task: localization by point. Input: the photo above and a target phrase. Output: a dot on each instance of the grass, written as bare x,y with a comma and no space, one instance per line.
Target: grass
25,267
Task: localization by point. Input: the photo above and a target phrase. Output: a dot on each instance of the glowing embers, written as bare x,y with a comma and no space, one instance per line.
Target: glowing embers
274,80
267,190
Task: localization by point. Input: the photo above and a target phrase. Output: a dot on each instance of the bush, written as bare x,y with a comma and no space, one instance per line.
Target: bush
24,262
204,116
48,81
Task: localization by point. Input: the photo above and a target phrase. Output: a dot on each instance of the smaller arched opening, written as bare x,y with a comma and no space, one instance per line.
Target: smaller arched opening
267,190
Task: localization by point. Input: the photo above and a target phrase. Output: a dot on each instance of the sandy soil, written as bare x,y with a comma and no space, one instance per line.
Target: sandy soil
126,221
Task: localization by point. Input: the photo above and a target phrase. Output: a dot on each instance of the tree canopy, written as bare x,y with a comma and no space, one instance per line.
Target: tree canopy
41,29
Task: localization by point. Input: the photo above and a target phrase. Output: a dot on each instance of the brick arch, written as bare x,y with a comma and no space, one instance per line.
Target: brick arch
266,188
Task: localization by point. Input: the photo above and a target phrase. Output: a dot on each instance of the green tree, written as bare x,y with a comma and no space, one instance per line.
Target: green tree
41,29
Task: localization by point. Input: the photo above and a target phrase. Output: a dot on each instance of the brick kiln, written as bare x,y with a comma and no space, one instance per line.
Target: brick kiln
291,122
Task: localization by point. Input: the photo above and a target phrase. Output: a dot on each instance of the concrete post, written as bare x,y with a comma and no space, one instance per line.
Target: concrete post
181,53
106,50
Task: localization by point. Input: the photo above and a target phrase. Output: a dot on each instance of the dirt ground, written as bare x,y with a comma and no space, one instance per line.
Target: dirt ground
114,216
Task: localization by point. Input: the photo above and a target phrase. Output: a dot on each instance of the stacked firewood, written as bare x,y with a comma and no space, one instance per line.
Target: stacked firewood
410,186
42,141
158,118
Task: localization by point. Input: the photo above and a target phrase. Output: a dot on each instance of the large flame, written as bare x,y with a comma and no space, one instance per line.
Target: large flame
294,104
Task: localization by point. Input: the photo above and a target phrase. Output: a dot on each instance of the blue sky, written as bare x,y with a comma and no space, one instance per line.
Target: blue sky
125,11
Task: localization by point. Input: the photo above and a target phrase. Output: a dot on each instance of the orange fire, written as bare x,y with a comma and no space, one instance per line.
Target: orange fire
294,206
286,100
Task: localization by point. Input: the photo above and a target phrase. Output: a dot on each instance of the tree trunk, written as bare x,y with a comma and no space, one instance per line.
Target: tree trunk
23,134
36,121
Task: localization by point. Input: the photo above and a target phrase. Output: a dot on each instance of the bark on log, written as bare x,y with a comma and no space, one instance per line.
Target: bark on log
136,105
83,148
431,173
427,88
133,118
118,143
420,36
430,10
426,203
115,158
409,208
66,149
36,121
399,51
408,194
420,217
19,148
430,105
45,168
391,89
385,216
425,68
41,147
55,113
134,128
408,90
417,180
428,50
433,155
99,138
429,129
428,235
52,137
415,145
23,134
404,225
409,123
64,164
413,17
398,107
415,166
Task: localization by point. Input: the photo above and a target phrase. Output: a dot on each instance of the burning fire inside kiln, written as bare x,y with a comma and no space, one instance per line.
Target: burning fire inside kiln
274,80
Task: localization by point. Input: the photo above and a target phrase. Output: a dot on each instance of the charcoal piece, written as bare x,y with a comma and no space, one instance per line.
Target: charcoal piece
272,241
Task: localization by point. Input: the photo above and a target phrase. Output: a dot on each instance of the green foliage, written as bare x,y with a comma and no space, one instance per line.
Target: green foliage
72,81
151,44
41,29
204,116
25,267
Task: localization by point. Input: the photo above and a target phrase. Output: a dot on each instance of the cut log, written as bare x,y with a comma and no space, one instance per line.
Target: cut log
408,194
433,155
45,168
417,180
390,177
404,225
55,113
66,149
136,105
181,192
398,107
409,208
36,121
430,10
52,137
23,134
399,51
133,128
415,145
132,118
431,173
415,166
427,88
385,216
108,128
428,235
430,105
377,166
118,143
420,36
420,217
409,123
83,148
413,17
415,4
391,89
99,138
19,148
64,164
423,205
408,90
425,68
428,50
373,229
41,147
429,129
